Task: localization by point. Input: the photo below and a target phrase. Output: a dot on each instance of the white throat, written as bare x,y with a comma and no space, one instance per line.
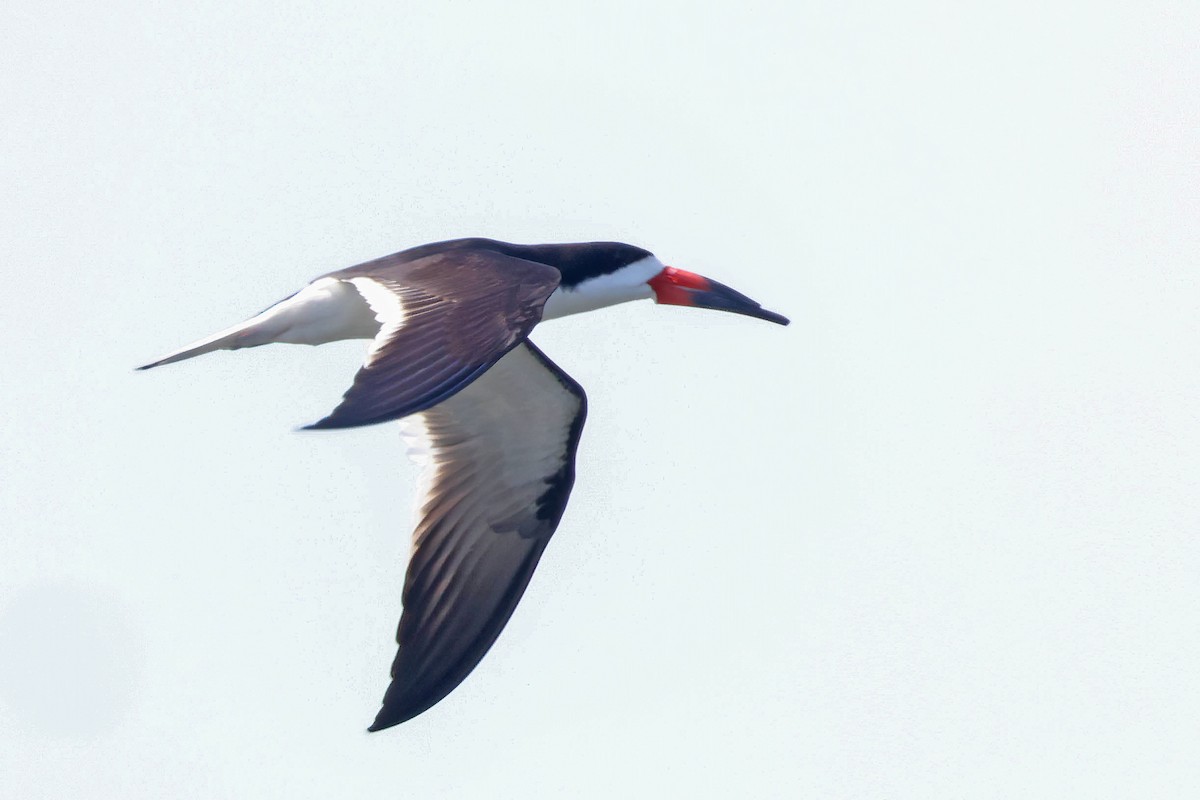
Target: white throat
627,283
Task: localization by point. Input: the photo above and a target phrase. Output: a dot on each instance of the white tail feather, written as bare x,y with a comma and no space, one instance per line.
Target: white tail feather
324,311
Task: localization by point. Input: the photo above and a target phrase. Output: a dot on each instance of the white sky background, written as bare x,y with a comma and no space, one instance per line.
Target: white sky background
936,539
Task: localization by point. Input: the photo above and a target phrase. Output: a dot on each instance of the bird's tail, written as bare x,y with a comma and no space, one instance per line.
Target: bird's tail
324,311
258,330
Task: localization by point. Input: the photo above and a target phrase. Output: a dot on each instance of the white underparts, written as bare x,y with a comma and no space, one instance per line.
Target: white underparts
327,310
627,283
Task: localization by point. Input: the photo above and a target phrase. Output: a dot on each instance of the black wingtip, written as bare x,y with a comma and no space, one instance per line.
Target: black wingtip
383,720
335,422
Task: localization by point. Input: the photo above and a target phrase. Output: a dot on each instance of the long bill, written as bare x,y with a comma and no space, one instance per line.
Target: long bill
679,287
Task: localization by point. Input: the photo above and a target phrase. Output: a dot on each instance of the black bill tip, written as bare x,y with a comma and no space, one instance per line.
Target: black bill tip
720,297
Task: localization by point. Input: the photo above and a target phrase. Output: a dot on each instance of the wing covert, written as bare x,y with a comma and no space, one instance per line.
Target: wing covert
445,319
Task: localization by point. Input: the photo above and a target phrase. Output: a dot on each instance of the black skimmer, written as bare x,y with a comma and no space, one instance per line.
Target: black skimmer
494,420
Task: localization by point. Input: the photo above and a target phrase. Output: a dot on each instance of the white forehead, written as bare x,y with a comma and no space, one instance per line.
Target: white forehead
627,283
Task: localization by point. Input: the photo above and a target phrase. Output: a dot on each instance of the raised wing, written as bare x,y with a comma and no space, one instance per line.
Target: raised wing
500,463
445,318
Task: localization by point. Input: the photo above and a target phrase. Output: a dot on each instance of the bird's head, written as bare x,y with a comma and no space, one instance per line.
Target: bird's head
598,274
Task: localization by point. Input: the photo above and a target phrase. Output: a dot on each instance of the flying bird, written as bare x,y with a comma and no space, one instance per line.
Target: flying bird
495,422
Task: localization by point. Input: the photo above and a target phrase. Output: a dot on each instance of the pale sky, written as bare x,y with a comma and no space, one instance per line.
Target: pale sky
938,538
